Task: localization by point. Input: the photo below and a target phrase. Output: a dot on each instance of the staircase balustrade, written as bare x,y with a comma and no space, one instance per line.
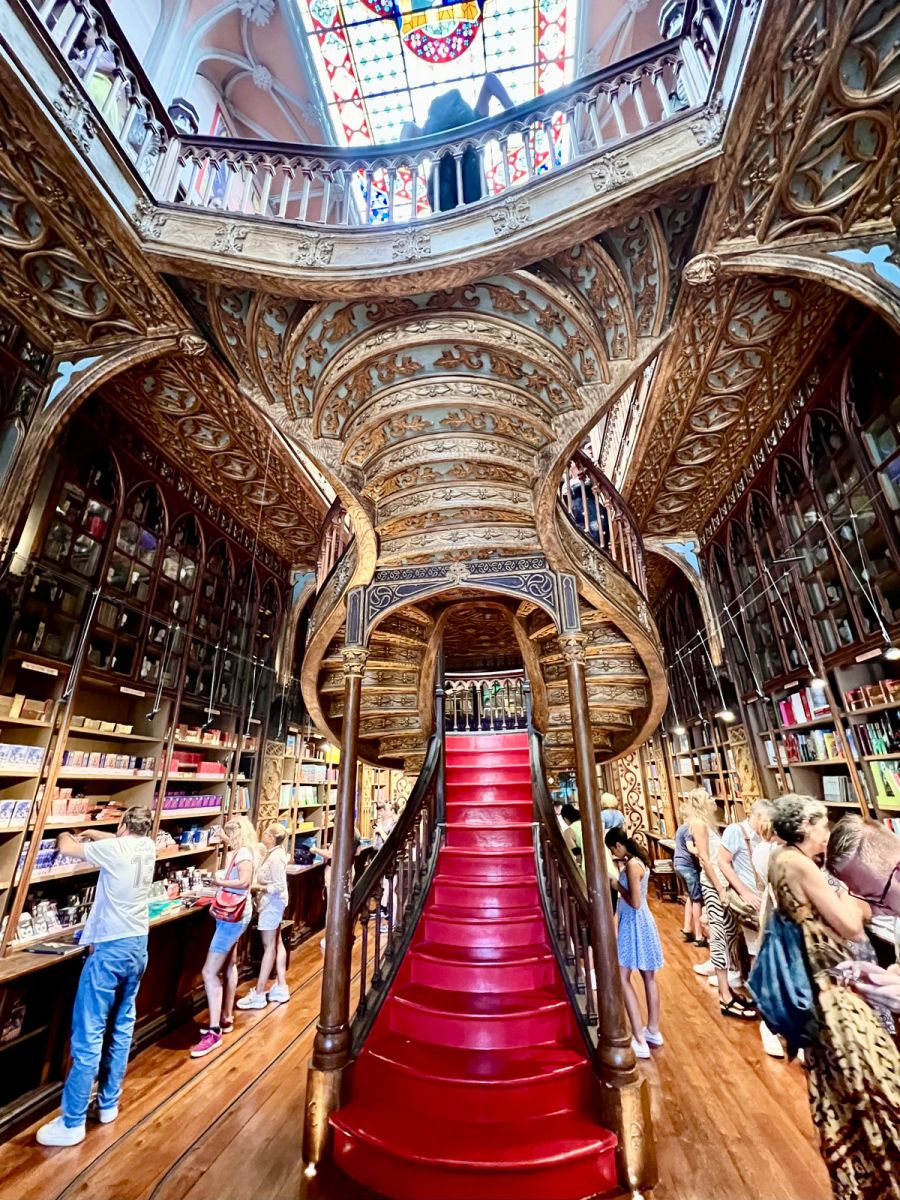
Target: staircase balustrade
342,188
334,538
565,902
485,702
595,508
387,900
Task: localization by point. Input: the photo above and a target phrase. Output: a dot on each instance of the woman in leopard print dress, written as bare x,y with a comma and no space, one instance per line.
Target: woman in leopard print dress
853,1070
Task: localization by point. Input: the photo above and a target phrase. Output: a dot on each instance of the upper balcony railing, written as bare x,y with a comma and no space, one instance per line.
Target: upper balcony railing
599,513
405,182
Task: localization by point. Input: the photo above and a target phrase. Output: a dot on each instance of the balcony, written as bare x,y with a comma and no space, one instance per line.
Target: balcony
337,220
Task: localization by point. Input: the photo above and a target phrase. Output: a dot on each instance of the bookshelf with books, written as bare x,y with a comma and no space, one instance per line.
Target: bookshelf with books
308,787
661,816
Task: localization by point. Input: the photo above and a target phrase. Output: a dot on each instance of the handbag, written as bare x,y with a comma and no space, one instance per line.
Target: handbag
781,986
745,913
228,906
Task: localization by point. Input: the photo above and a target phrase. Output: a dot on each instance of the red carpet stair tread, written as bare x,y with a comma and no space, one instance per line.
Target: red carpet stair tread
475,1081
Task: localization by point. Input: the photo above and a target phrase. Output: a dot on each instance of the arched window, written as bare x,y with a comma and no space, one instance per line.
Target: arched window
81,512
873,394
204,666
806,537
768,542
752,591
236,674
859,544
174,599
128,587
731,620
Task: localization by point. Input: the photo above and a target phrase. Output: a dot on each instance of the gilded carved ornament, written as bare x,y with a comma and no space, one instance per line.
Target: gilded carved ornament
354,661
702,270
572,647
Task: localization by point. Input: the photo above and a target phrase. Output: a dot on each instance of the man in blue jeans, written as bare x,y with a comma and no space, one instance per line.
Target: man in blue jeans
116,932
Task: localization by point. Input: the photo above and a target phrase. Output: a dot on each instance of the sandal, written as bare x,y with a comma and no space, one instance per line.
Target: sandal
738,1008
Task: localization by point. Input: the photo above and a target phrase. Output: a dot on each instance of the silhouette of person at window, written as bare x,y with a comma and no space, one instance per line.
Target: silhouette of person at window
447,112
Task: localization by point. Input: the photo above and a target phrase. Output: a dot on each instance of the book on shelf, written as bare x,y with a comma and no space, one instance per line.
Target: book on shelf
893,823
837,789
877,737
807,704
887,780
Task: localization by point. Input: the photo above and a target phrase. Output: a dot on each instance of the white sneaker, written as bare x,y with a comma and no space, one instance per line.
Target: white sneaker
653,1039
57,1133
706,968
771,1043
641,1049
278,994
253,999
107,1115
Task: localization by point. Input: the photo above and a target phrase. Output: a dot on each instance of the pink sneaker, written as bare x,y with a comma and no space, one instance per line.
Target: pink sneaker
207,1043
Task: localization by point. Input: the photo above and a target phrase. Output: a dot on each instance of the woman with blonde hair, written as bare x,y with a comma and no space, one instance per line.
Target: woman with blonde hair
220,974
271,891
610,813
724,932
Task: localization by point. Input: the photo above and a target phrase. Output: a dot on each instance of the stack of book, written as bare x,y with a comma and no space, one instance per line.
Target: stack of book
808,704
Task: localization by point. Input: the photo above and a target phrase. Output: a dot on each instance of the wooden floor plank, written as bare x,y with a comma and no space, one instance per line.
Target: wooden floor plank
731,1123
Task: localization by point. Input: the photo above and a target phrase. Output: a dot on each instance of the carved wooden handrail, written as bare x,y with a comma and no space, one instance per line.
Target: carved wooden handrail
564,899
390,895
334,538
338,187
596,509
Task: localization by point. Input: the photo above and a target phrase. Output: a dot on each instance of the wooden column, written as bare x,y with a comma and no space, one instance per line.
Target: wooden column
613,1035
331,1048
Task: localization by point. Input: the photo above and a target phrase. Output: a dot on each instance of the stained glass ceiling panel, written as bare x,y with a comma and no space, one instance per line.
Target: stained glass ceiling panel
381,62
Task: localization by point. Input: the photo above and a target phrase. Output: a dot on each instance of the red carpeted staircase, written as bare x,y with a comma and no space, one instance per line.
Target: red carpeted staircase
474,1081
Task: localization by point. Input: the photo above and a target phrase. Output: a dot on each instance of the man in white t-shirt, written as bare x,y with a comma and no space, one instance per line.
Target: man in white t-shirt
116,932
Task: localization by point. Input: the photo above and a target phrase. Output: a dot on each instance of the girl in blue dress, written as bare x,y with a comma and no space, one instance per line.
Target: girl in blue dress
638,939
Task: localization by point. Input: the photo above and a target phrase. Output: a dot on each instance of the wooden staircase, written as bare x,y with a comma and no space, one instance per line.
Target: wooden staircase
475,1079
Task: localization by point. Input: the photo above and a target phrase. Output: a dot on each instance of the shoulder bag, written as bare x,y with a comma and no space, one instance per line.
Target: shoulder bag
781,986
744,912
229,906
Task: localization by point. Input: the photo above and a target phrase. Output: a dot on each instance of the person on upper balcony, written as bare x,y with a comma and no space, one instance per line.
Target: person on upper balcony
447,112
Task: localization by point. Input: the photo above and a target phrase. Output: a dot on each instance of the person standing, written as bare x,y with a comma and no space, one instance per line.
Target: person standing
220,973
724,935
610,813
853,1066
687,867
271,889
637,939
105,1004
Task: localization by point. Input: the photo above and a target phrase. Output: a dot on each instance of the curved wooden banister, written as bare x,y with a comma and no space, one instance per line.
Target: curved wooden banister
599,513
334,538
397,879
564,899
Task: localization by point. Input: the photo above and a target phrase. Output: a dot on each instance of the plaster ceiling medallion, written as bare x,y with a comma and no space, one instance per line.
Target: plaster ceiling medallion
257,12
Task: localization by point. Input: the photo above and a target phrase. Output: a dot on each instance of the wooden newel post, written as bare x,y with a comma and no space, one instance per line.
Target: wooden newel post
331,1048
613,1034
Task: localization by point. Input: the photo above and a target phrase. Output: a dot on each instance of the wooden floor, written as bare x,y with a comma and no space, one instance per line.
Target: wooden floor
731,1123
